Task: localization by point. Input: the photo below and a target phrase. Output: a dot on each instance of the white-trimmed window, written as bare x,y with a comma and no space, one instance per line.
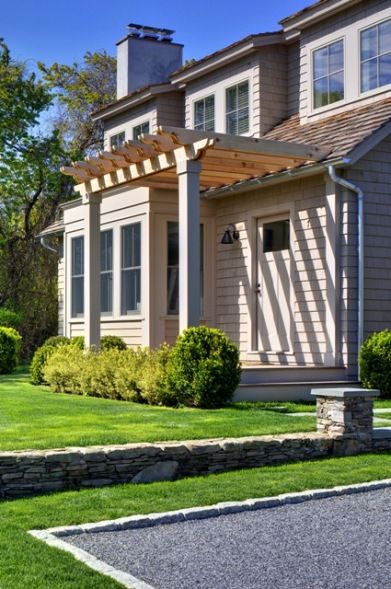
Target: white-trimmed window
140,129
173,268
77,277
328,74
131,269
204,114
106,272
375,56
117,140
237,100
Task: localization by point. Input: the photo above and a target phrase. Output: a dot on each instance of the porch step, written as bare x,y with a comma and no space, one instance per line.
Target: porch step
285,391
271,374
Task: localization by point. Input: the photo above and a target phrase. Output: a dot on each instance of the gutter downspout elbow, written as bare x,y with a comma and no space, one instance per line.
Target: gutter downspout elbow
45,244
360,253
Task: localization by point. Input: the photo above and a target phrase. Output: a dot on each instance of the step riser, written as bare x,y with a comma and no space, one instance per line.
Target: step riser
282,392
278,374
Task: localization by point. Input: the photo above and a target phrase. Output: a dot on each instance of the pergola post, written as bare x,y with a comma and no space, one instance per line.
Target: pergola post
189,243
91,204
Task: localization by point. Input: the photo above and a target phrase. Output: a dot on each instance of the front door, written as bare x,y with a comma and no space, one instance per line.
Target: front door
274,284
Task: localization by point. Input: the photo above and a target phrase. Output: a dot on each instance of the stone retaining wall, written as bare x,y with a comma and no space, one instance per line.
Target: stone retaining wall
33,472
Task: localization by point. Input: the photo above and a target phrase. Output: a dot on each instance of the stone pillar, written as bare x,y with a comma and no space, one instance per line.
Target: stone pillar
346,414
91,204
189,243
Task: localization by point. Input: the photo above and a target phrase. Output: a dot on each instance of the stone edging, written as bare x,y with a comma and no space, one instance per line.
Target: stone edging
52,536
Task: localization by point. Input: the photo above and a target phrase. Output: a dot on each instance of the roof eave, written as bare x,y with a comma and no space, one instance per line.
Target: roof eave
314,14
206,65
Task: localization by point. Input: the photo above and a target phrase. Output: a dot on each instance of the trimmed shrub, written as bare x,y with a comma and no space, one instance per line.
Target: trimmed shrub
78,342
43,354
375,362
64,368
10,318
204,368
153,377
10,344
109,342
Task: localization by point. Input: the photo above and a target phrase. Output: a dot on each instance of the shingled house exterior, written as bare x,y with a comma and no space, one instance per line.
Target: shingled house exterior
249,191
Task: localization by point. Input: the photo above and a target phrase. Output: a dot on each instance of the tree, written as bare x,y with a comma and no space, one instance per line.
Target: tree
82,89
31,185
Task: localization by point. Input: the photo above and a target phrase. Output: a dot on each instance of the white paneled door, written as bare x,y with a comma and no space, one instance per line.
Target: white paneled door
273,286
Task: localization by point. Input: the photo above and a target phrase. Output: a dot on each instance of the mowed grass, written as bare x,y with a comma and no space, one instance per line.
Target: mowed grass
27,562
34,417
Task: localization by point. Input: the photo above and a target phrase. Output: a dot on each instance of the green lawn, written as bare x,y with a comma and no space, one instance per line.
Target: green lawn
34,417
27,562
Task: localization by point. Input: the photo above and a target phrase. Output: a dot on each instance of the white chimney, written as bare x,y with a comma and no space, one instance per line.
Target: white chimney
146,56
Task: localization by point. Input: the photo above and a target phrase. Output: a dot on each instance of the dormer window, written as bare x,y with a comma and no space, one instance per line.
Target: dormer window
375,55
237,109
140,129
117,140
328,74
204,114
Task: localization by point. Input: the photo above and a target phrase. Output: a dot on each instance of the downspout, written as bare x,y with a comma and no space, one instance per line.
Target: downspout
46,245
360,253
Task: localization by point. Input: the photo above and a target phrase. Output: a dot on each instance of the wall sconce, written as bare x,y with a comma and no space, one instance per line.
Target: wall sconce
230,234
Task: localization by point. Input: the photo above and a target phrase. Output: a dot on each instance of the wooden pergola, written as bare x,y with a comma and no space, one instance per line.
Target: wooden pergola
189,162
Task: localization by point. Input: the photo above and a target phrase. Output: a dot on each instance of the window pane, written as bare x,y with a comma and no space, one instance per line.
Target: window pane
209,107
276,236
243,121
385,37
321,92
199,112
231,99
106,292
336,87
336,57
77,256
243,95
232,123
385,69
140,129
369,75
131,246
369,43
173,244
106,250
321,61
77,296
117,140
172,291
131,291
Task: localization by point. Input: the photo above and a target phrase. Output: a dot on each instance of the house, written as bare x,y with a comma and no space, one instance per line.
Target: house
249,190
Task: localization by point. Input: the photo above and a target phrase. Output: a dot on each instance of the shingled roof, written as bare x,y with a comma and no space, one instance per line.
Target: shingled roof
341,132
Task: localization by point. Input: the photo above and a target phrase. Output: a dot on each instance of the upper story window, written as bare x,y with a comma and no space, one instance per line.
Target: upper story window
106,272
375,56
204,114
237,109
140,129
117,140
130,269
328,74
77,277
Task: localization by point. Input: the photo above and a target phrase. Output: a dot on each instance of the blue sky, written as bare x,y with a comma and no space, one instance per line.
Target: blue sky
63,30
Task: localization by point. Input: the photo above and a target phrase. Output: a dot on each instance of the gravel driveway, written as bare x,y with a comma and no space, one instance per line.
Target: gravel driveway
335,543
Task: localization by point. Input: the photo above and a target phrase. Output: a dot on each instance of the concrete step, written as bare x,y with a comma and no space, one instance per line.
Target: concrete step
268,374
285,391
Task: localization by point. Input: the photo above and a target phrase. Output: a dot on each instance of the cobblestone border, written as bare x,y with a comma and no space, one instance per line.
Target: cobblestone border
52,536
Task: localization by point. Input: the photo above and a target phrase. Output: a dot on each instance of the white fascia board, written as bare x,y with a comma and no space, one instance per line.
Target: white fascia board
315,14
132,101
223,58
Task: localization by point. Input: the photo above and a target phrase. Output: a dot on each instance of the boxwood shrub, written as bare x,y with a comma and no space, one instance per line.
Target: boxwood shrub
10,318
204,368
42,355
10,344
375,362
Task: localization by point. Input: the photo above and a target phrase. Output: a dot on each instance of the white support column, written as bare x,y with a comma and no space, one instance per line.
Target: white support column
189,243
331,268
91,204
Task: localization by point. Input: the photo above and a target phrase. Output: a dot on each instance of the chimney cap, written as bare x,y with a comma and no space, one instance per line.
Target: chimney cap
150,32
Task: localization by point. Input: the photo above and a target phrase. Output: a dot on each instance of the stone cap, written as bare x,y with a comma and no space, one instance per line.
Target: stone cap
345,393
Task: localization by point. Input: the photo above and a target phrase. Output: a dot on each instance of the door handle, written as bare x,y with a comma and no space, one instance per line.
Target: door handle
258,289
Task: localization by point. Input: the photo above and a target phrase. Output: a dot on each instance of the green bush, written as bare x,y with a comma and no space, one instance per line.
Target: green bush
152,380
204,368
10,344
10,318
109,342
43,354
78,342
375,362
64,368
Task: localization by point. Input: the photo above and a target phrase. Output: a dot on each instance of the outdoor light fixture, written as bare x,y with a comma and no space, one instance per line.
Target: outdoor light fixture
230,234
